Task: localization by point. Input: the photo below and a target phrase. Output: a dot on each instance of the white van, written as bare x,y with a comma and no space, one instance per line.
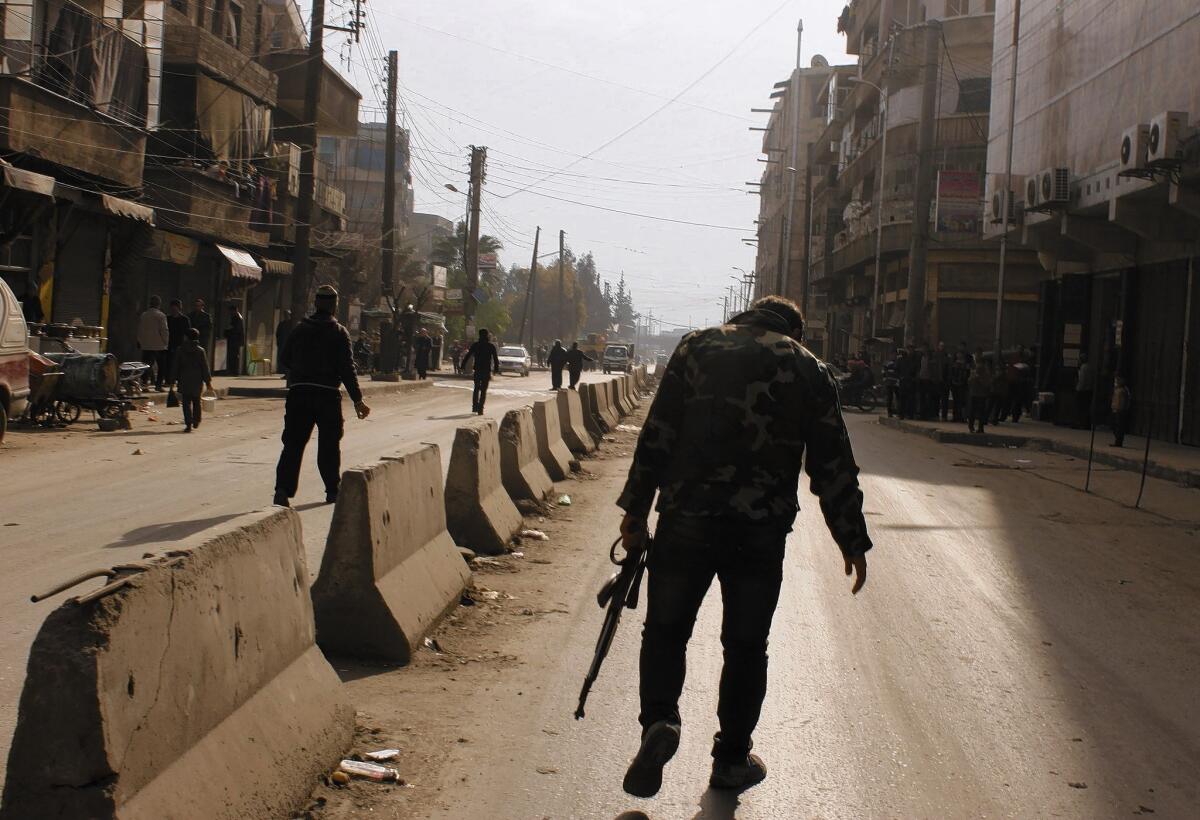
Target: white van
14,358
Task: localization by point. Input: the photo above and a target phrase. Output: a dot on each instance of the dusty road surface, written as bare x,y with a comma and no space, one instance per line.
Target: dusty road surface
1021,650
79,500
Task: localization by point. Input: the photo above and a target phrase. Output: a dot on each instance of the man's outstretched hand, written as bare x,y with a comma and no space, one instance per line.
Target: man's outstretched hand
856,565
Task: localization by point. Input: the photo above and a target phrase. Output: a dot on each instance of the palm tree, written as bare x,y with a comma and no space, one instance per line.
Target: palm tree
448,250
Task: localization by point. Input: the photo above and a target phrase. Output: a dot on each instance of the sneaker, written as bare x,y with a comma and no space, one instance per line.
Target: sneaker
659,744
738,775
281,501
331,498
187,428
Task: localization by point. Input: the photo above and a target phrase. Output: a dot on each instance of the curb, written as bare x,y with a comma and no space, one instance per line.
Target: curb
1182,477
369,388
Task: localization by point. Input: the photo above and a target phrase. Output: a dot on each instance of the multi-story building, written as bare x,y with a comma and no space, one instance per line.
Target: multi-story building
919,62
793,123
1106,164
78,95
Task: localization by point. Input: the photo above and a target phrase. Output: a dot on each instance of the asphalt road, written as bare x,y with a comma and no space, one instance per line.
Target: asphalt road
1021,650
79,500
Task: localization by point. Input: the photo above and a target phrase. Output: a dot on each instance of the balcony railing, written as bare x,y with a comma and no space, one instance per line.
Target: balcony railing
62,47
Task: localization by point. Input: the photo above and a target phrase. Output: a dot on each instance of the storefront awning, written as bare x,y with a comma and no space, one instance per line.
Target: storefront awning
127,209
28,181
277,268
241,264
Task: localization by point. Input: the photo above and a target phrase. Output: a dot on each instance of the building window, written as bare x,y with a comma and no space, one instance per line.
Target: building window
957,8
974,95
180,6
226,21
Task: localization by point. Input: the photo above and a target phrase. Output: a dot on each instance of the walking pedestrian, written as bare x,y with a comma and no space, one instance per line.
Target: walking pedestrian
154,336
318,359
891,381
1085,388
191,375
487,361
722,447
998,397
422,348
909,367
282,331
557,358
177,332
939,380
979,387
235,341
960,372
200,319
575,360
1122,400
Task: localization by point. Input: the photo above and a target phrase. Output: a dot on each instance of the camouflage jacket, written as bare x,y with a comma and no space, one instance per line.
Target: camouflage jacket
727,431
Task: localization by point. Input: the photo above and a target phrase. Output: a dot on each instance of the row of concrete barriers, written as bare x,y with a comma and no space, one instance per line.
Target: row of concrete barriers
196,685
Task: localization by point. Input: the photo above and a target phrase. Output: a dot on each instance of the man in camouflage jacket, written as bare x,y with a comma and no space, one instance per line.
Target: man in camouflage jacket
722,446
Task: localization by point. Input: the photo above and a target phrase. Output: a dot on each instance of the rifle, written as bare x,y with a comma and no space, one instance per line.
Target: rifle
619,592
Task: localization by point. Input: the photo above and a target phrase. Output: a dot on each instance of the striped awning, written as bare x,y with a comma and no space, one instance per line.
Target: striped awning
241,264
127,209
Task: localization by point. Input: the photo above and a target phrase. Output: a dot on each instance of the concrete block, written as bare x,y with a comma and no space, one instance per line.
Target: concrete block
521,468
552,450
570,421
479,513
608,403
591,412
620,400
634,393
195,691
390,570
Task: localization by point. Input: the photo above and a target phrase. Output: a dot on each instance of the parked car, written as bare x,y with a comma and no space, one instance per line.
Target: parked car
14,358
515,359
616,358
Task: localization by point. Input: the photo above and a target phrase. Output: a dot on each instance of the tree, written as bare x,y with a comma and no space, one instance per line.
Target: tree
448,250
493,315
623,312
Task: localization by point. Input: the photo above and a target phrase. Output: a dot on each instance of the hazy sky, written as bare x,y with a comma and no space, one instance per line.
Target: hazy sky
544,85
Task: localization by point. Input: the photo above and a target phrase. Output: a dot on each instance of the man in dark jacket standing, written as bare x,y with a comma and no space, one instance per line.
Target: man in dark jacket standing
557,360
201,319
235,341
317,359
722,447
575,360
177,332
487,360
282,331
422,348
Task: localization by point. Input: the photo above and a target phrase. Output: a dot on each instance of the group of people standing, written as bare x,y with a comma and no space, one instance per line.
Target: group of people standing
161,335
962,387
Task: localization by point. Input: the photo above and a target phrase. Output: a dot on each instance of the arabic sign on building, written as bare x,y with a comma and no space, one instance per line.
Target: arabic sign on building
959,203
439,276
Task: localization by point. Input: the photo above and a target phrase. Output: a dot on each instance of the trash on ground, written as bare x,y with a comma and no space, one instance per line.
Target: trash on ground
384,755
535,534
1074,784
629,428
341,778
138,452
517,554
564,501
432,645
370,771
466,600
489,595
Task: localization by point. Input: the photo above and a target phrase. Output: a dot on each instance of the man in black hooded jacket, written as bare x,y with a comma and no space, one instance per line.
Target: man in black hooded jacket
317,359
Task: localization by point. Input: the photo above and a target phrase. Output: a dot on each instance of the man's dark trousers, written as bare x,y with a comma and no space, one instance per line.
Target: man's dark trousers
192,413
575,374
308,406
748,562
479,394
556,377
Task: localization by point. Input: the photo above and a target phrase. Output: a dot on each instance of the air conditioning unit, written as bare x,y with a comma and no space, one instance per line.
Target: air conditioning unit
1134,145
1054,187
1167,132
998,208
1032,192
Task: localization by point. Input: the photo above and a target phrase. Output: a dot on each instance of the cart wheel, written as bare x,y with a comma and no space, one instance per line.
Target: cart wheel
110,411
67,412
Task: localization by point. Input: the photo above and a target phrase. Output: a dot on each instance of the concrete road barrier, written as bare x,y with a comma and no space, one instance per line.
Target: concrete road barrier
521,468
390,571
552,450
591,412
570,422
479,513
609,387
196,690
622,397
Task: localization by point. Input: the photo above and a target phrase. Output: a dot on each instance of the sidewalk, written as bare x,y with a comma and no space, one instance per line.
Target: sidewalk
1172,462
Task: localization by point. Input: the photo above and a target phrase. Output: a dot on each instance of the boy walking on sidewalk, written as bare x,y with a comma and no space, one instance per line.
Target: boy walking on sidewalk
190,369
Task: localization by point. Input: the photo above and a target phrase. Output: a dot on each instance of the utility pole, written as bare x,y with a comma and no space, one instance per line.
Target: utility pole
389,181
301,262
1006,195
562,316
478,163
794,93
528,315
914,307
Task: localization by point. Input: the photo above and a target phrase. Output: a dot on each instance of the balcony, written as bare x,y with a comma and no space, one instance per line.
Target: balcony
210,203
187,44
330,215
76,88
338,111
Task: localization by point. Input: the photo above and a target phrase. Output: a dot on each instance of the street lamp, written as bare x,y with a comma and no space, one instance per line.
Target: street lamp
883,110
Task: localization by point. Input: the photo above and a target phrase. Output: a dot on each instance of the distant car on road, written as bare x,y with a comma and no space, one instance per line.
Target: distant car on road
616,358
515,359
14,358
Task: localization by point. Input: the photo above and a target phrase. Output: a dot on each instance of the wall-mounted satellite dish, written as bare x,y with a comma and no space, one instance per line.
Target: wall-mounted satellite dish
819,62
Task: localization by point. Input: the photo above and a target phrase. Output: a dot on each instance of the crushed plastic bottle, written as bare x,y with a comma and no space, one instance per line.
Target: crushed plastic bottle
564,501
370,771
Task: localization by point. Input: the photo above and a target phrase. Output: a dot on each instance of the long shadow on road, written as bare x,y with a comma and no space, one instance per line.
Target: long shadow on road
170,531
